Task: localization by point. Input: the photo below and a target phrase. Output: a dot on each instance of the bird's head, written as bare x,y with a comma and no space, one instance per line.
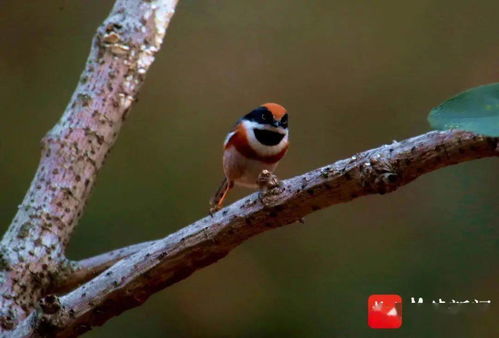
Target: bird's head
269,123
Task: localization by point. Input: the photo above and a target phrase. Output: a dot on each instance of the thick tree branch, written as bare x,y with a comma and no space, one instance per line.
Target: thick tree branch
129,282
32,250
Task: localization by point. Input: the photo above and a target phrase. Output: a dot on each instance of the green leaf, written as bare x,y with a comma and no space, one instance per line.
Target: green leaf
475,110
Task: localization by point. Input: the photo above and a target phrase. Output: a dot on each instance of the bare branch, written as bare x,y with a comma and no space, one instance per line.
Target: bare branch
129,282
86,269
32,250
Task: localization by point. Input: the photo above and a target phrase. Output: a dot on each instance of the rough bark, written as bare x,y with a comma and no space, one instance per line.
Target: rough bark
32,260
86,269
156,265
32,250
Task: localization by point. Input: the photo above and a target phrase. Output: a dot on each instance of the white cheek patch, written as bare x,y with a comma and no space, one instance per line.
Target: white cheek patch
228,137
262,149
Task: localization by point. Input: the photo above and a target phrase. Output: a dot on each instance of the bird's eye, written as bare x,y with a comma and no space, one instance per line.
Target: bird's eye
284,121
266,117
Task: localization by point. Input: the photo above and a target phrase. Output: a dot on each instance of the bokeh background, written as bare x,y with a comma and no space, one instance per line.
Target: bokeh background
353,75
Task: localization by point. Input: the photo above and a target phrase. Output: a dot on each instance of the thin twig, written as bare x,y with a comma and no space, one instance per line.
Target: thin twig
86,269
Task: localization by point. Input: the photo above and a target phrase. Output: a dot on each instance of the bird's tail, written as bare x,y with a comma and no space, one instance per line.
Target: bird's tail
217,200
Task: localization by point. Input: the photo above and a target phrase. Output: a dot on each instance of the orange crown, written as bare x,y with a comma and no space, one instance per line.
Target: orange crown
276,109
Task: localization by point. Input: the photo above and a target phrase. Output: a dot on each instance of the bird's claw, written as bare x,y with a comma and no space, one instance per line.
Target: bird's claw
213,209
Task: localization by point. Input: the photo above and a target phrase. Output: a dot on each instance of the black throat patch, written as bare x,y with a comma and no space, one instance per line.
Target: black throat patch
267,137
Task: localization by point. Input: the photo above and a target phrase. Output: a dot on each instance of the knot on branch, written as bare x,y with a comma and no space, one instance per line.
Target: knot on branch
5,264
270,187
7,320
50,304
112,40
378,175
51,318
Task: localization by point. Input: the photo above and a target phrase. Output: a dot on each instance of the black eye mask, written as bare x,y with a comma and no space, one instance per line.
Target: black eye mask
267,137
260,115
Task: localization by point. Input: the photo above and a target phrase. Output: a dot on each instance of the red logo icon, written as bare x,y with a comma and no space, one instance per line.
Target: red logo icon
384,311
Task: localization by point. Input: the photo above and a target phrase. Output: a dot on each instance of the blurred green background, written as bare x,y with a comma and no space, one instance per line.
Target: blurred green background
353,75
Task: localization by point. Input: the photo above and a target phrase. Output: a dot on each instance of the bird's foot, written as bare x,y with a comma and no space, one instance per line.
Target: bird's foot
214,209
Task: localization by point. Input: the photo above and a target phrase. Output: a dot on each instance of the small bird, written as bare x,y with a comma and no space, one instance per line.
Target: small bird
257,142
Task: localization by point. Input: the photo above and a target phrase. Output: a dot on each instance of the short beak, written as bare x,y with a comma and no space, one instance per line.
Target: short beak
276,123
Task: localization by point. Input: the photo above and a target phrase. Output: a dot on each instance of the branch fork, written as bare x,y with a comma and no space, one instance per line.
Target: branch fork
43,293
